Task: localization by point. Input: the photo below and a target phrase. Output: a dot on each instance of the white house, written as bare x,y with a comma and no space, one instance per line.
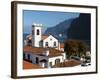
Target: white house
44,57
42,50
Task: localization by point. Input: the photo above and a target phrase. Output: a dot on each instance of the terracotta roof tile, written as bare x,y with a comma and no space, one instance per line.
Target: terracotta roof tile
29,37
44,37
39,51
28,65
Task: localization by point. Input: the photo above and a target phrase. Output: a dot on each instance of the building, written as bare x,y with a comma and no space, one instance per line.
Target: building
45,57
42,50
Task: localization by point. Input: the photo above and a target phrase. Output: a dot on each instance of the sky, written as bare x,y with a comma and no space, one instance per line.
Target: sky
46,18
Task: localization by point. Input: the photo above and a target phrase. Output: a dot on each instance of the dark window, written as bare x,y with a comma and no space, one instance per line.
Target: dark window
37,60
50,64
46,44
23,55
29,42
57,61
50,38
54,43
38,32
29,57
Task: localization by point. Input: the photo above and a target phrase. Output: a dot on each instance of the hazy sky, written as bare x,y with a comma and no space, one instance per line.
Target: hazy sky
47,18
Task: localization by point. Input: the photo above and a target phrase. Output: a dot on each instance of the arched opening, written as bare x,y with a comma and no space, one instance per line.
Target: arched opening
46,44
37,60
38,32
28,58
55,44
43,63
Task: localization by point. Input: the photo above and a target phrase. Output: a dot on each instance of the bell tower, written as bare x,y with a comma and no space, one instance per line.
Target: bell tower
36,34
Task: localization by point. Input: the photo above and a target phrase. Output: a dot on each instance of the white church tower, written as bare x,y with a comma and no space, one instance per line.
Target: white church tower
36,34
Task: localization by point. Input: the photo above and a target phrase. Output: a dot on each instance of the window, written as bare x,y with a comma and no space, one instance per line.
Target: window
37,60
50,39
38,32
54,43
46,44
23,55
29,57
29,41
57,61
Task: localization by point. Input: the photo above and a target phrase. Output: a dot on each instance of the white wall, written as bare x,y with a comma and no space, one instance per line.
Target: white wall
52,59
36,38
64,56
50,42
5,41
33,57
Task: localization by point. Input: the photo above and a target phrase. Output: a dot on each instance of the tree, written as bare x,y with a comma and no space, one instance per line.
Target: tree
75,48
82,48
71,48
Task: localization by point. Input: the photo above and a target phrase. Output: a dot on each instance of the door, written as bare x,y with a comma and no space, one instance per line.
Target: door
37,60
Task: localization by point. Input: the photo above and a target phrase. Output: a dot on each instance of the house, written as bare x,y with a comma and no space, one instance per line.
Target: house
45,57
43,50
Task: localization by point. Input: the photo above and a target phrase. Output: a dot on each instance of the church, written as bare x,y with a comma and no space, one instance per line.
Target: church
43,50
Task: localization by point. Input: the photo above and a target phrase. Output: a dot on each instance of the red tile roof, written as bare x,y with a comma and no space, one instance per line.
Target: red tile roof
39,51
44,37
29,37
28,65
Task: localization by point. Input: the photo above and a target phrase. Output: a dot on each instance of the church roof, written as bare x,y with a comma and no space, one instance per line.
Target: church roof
39,51
44,37
29,37
47,36
28,65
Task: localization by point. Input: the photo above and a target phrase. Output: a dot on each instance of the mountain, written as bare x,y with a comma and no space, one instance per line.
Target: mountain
80,28
60,30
